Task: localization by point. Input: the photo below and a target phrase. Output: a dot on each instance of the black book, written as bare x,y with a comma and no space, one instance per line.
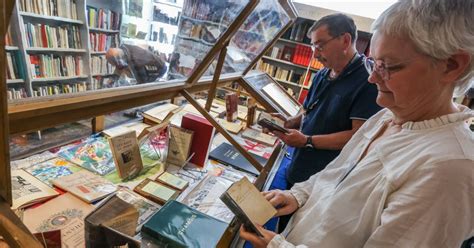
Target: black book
227,154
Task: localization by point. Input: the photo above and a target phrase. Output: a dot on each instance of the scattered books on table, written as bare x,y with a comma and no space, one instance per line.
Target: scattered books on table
227,154
52,169
93,154
28,190
195,228
85,185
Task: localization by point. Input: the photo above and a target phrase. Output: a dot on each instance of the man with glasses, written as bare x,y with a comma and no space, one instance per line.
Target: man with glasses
338,103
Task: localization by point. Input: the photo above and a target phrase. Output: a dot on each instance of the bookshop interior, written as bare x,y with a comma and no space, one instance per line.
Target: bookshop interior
223,123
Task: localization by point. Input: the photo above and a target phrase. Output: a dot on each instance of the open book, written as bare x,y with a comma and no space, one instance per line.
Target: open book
28,190
248,204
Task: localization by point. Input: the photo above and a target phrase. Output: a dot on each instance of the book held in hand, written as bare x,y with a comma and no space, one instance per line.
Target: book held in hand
177,225
248,204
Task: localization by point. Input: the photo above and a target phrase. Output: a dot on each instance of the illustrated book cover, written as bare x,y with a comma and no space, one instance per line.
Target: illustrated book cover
126,154
28,190
51,169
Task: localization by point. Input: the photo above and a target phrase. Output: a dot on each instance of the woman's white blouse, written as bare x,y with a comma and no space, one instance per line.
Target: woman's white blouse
415,188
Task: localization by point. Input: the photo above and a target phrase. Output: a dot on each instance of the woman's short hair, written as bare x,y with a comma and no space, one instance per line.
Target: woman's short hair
337,24
437,28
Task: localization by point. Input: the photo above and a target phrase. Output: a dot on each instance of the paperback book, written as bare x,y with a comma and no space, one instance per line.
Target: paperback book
27,190
51,169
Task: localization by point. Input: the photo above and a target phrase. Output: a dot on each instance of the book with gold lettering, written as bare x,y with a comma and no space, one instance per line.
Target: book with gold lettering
177,225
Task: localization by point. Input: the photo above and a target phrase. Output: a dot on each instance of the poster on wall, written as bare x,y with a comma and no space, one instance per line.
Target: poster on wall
134,8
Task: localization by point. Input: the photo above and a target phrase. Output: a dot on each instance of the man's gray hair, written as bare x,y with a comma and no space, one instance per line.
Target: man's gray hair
437,28
337,24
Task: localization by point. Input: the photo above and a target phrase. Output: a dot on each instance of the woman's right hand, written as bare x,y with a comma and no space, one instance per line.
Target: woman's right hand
284,202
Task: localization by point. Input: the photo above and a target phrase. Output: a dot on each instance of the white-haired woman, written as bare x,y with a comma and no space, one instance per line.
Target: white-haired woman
406,178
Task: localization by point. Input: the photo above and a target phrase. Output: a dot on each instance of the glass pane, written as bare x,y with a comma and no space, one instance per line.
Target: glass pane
265,22
202,23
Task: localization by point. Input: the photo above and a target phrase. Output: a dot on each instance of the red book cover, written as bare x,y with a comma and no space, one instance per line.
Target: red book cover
231,103
303,95
299,59
202,138
44,37
295,55
307,55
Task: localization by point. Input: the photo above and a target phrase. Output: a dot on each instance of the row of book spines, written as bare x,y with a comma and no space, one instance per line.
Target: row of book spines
96,83
301,55
61,8
41,35
102,42
281,74
104,19
59,89
100,65
298,31
46,66
13,94
14,67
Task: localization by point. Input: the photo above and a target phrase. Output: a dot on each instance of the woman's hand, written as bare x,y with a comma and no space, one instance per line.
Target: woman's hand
283,201
257,241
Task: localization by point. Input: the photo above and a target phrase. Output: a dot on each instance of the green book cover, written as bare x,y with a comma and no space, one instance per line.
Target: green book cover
178,225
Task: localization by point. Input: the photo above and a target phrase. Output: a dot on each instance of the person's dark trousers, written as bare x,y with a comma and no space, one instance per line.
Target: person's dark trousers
279,182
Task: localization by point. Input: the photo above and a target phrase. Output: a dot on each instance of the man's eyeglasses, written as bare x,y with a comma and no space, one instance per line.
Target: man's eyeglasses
320,45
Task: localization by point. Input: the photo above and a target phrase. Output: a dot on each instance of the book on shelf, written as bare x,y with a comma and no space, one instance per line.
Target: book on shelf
103,18
66,213
101,42
85,185
248,204
59,88
49,66
302,96
227,154
52,169
28,190
8,37
202,139
61,8
177,225
100,66
46,36
15,69
16,93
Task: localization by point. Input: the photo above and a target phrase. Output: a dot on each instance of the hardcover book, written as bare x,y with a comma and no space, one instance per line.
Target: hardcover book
156,191
227,154
93,154
248,204
86,185
177,225
27,190
126,154
231,103
274,92
172,181
202,139
52,169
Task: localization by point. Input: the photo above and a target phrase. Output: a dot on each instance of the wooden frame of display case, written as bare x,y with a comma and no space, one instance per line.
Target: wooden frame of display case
34,114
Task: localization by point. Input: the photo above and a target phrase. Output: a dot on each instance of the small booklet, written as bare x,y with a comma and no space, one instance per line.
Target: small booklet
126,154
28,190
86,185
172,181
248,204
156,191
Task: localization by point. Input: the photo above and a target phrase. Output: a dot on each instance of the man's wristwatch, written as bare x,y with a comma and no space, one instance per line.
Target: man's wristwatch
309,142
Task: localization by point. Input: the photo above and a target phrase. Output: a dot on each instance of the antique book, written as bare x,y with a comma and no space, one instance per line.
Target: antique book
146,208
177,225
215,107
258,136
28,190
138,127
66,213
93,154
86,185
126,154
248,204
231,103
112,224
283,100
227,154
173,181
49,239
233,127
156,191
52,169
179,145
159,113
202,139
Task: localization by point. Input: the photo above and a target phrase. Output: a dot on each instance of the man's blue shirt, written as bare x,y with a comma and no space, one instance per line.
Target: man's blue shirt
330,106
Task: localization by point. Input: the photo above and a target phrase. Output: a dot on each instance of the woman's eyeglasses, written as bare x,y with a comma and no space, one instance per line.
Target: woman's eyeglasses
383,70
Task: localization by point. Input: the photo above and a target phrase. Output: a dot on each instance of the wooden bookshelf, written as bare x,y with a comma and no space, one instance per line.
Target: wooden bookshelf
50,18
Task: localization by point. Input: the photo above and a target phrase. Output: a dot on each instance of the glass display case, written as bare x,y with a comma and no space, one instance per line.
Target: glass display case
203,28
